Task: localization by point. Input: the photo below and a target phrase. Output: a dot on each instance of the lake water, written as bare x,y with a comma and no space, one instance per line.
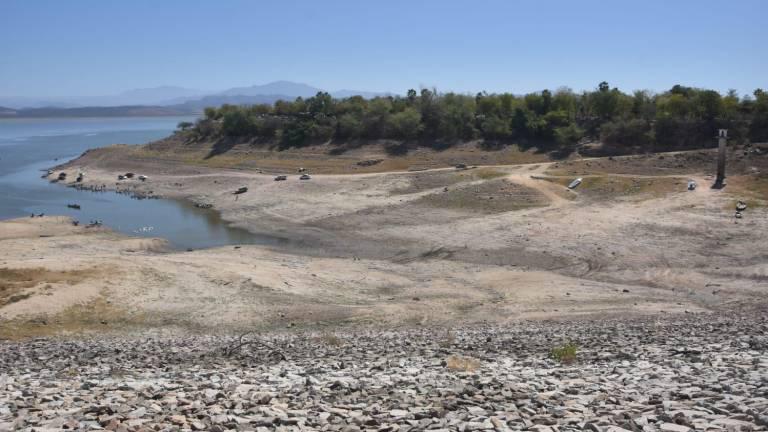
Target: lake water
29,146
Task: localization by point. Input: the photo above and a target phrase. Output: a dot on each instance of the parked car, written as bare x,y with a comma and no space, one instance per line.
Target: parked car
281,178
305,177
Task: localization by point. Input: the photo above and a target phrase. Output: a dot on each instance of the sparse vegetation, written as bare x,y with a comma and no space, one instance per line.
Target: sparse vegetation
14,281
565,354
448,340
330,339
462,364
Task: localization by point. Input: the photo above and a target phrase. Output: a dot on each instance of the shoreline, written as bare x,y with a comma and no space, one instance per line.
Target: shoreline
440,247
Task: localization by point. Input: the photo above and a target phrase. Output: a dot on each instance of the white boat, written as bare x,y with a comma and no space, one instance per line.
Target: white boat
575,183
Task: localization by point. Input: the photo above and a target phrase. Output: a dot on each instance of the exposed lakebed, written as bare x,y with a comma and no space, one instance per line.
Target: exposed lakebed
29,147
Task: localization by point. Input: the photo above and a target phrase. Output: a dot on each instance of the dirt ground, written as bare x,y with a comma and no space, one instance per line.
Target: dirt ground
499,243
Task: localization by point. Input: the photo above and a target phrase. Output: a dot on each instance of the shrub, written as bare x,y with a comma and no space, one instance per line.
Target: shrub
462,364
565,354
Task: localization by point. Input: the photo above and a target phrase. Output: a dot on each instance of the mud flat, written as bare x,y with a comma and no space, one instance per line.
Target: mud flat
497,243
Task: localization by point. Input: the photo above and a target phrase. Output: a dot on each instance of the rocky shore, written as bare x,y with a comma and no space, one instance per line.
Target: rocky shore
674,374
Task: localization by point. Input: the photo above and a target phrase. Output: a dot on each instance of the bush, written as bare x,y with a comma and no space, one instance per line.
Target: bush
568,135
184,125
405,125
565,354
627,133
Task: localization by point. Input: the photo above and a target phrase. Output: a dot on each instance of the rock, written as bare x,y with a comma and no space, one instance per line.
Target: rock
672,427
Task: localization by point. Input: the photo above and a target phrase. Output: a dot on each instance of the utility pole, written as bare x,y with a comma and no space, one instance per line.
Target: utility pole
722,138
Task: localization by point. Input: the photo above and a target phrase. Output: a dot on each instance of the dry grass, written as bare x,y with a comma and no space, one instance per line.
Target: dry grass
14,281
487,173
615,186
462,364
97,315
753,189
495,196
322,159
330,339
448,340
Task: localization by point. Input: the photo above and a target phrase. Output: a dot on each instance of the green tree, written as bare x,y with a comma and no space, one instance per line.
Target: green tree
405,125
495,128
184,125
236,123
350,126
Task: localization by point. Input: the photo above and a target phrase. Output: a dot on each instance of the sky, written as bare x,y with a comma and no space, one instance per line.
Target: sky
95,47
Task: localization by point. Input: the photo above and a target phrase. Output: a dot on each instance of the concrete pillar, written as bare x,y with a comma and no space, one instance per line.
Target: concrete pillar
722,138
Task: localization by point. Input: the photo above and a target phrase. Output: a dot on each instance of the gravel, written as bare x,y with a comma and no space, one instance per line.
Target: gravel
675,374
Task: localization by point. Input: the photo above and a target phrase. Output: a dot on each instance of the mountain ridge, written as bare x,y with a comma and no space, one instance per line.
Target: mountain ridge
167,95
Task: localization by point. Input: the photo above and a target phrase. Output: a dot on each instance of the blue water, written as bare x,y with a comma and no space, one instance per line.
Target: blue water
30,146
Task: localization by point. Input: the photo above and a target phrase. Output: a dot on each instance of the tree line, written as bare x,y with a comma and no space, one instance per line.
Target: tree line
682,117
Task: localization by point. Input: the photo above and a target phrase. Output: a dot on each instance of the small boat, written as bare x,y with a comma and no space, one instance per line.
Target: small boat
575,183
241,190
74,206
143,177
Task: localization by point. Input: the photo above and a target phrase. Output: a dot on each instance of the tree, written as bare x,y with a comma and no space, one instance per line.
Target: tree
236,123
349,126
411,96
626,133
605,101
321,103
184,125
405,125
568,135
210,113
682,117
495,128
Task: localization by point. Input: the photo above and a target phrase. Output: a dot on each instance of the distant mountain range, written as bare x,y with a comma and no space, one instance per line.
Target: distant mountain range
165,100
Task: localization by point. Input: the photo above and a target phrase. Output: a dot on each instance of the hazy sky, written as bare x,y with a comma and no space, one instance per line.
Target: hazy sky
57,48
